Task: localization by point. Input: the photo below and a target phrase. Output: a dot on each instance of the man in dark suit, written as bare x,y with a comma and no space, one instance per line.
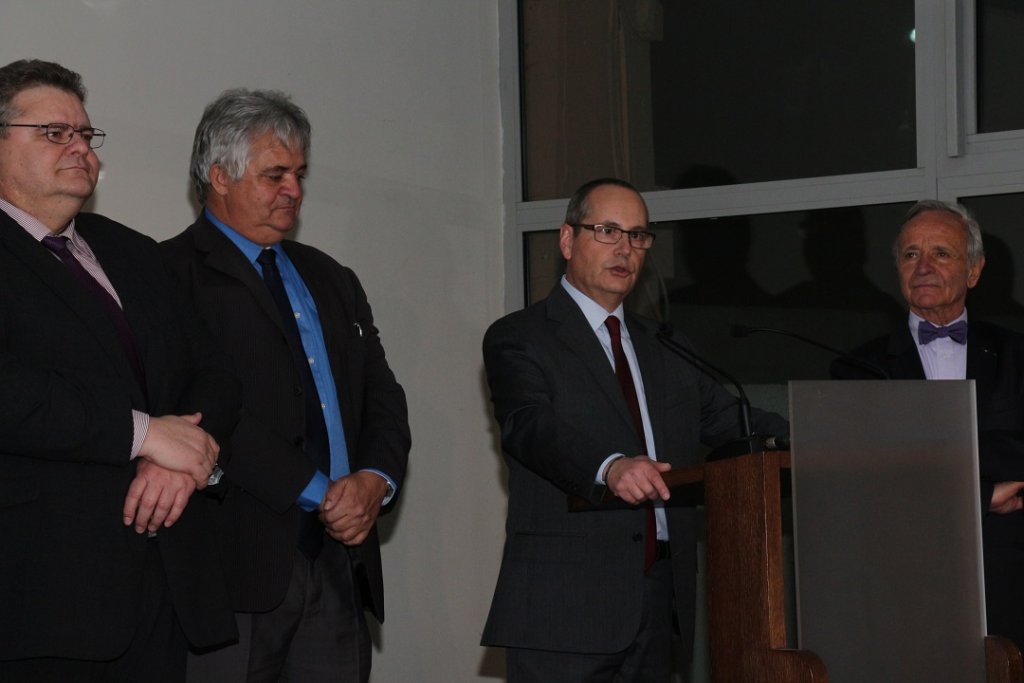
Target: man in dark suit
939,257
324,437
111,401
587,400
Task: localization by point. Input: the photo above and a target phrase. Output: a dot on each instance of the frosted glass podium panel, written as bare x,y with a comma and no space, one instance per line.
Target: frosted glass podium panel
887,529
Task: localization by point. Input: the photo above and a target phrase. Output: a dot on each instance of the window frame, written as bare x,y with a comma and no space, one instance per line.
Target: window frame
953,159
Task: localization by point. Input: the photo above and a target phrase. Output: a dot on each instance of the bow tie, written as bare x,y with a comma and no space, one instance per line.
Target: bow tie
926,332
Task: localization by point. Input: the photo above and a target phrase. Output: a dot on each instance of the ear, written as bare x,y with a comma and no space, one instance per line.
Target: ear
974,273
220,180
566,236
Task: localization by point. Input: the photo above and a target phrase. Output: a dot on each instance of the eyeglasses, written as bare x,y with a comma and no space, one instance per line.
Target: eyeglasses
62,133
609,234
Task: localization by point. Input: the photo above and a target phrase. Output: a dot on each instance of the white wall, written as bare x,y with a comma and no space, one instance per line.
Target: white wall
404,186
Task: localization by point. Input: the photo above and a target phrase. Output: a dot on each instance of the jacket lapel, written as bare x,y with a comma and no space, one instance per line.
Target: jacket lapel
572,328
903,359
223,256
982,364
55,276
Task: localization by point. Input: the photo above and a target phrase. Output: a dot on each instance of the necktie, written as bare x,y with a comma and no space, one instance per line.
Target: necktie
315,442
927,333
625,378
59,245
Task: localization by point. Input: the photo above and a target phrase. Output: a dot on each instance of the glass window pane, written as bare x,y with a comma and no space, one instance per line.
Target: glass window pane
1000,59
998,295
826,274
650,91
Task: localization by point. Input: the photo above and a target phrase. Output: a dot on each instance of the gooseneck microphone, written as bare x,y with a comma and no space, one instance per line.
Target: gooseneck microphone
749,442
745,331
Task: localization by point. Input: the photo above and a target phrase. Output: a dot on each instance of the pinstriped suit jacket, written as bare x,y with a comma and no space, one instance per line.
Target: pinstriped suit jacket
266,466
573,581
70,571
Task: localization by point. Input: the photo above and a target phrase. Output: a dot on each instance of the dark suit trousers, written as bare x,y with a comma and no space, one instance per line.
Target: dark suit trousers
647,660
318,634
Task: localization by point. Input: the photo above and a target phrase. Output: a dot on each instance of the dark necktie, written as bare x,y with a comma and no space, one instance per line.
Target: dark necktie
315,441
927,333
625,378
59,246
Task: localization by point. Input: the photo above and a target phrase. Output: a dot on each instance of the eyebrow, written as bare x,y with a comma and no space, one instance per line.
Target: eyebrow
283,169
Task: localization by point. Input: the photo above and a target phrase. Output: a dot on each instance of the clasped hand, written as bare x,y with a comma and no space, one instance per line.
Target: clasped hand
351,505
176,458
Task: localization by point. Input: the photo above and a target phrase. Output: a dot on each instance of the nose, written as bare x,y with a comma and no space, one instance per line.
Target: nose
624,246
924,264
77,144
291,186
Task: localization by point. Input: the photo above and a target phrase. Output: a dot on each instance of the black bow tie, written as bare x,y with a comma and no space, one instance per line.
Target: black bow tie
926,332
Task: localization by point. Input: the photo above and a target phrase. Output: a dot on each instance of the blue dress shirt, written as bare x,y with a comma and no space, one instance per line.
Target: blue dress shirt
308,320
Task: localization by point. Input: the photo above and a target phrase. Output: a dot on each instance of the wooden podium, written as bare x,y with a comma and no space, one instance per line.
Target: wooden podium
743,497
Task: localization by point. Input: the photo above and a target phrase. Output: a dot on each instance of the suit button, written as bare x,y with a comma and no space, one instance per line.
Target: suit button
637,538
298,390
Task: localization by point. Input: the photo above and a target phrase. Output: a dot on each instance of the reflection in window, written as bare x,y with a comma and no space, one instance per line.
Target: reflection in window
646,89
998,295
1000,57
826,274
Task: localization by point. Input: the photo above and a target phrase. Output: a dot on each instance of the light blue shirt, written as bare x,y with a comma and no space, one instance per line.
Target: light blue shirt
311,332
596,316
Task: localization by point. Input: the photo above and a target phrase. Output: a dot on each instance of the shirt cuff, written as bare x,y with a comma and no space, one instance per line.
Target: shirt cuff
311,496
140,427
603,469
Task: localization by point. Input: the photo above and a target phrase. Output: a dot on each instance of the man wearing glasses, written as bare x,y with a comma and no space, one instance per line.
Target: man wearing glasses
113,403
587,401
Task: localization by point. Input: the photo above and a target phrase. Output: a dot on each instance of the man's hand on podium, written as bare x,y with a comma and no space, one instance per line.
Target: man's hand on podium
638,479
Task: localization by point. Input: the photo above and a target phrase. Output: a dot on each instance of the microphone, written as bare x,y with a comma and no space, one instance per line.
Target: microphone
749,442
876,371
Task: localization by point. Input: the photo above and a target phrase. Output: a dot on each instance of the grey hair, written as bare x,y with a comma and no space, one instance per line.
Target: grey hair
31,73
232,122
975,245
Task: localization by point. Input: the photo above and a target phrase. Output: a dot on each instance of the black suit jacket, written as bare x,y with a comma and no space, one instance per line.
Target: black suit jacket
995,361
70,571
573,581
266,465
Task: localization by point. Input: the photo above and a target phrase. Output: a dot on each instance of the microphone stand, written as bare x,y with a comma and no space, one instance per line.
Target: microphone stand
748,444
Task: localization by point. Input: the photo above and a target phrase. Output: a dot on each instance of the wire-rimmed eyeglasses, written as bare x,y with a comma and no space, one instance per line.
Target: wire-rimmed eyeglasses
609,234
63,133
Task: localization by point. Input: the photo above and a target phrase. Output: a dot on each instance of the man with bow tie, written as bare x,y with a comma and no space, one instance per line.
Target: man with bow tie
939,257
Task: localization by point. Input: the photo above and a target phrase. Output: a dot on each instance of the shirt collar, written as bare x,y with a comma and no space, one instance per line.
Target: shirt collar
33,225
246,245
594,312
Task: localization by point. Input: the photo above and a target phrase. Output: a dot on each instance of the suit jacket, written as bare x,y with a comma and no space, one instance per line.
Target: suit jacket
267,466
70,570
995,361
573,581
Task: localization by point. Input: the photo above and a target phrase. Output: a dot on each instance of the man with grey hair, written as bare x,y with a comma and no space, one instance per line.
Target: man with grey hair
113,404
323,440
939,257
